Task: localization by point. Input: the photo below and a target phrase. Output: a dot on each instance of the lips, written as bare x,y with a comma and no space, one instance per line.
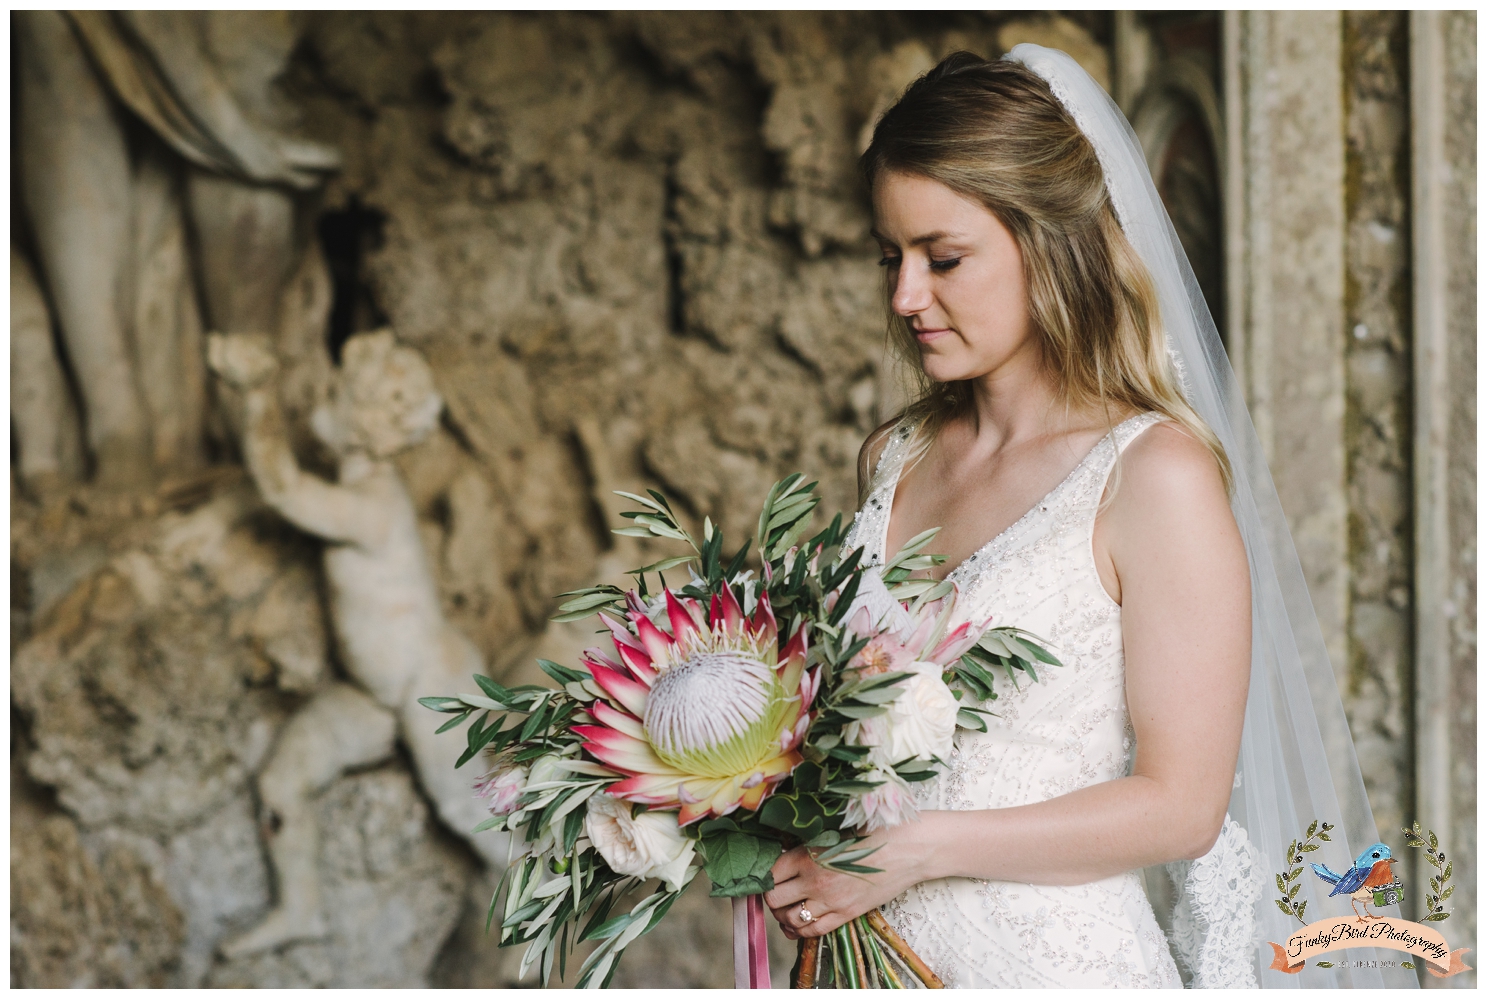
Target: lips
929,335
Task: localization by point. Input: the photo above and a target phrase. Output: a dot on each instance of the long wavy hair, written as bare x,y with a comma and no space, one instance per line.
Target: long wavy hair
994,133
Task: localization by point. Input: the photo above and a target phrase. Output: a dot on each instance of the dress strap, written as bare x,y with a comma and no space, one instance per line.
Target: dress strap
871,526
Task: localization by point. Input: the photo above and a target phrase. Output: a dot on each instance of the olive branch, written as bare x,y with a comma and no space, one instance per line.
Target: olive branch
1440,890
1289,883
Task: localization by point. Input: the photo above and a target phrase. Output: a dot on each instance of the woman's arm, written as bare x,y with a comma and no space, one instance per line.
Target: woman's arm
1168,542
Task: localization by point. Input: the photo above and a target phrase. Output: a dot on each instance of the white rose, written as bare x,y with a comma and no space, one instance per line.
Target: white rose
649,845
920,721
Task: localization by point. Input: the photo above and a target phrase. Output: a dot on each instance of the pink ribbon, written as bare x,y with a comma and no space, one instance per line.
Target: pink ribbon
750,944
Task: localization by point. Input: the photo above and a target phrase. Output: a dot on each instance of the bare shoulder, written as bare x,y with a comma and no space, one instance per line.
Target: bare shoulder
1168,474
872,450
1168,529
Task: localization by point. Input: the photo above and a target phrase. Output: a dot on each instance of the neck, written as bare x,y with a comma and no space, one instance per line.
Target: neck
1018,401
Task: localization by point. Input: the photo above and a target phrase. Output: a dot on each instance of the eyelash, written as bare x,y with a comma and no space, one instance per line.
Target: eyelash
934,265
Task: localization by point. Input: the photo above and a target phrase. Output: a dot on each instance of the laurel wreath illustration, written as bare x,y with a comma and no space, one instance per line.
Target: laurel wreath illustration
1289,882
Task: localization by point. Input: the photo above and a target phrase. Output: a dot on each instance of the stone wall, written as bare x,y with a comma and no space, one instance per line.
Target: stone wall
633,248
1378,428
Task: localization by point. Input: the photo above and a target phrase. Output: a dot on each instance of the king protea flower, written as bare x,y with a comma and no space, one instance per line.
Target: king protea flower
707,718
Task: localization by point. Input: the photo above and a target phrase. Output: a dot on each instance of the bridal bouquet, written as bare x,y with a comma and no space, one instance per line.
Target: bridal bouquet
724,721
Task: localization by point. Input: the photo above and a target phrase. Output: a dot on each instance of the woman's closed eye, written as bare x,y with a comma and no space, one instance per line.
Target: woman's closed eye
934,265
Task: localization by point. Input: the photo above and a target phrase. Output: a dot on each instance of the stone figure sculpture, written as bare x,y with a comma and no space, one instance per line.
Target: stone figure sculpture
107,205
385,606
41,410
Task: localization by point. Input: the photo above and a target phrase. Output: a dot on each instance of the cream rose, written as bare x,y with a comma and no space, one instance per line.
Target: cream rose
649,845
920,721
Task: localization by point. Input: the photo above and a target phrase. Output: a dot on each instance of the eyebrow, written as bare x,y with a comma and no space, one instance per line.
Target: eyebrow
928,237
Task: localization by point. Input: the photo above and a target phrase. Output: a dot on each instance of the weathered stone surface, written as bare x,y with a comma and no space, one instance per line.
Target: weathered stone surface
84,918
392,883
1378,429
1460,32
632,247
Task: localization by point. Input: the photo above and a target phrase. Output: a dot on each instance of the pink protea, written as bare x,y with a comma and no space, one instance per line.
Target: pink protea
889,804
501,788
707,718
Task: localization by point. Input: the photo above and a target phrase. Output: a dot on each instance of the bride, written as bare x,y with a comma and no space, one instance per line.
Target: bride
1075,409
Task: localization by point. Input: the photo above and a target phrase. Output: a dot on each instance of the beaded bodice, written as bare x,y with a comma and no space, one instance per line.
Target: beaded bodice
1068,730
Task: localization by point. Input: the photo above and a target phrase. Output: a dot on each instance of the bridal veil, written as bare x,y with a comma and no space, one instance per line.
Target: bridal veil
1296,761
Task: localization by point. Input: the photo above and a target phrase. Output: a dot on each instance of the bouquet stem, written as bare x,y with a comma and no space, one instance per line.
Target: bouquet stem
864,953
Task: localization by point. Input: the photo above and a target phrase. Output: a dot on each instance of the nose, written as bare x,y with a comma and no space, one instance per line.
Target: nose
911,294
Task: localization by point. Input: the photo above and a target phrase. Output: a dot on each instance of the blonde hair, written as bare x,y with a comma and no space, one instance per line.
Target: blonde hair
993,132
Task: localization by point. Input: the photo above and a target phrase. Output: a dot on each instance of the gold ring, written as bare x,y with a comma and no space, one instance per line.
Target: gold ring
805,914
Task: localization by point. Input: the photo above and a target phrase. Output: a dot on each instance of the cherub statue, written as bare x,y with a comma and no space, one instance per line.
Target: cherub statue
385,607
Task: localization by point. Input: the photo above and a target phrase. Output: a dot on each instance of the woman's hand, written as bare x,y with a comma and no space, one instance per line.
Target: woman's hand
833,898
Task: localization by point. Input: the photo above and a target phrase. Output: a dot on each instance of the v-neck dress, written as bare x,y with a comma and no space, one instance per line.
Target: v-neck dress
1069,730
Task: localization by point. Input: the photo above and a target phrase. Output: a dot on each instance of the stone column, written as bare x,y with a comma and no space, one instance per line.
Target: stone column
1285,106
1443,145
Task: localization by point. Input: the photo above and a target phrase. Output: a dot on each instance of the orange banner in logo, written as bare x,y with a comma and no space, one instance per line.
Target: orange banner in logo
1394,934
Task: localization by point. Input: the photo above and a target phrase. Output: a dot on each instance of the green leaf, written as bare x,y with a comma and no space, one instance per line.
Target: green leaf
971,719
1280,884
590,601
877,695
444,704
1324,964
860,712
476,701
739,864
714,826
492,689
454,722
666,563
658,507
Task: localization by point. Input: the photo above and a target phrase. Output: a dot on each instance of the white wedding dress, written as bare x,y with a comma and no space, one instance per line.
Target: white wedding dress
1069,730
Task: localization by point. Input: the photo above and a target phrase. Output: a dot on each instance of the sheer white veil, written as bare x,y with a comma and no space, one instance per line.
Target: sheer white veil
1297,761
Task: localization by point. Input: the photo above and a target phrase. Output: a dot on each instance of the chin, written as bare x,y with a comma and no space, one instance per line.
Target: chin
942,370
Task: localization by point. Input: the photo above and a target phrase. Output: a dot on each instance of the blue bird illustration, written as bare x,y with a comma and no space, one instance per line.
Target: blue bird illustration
1373,869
